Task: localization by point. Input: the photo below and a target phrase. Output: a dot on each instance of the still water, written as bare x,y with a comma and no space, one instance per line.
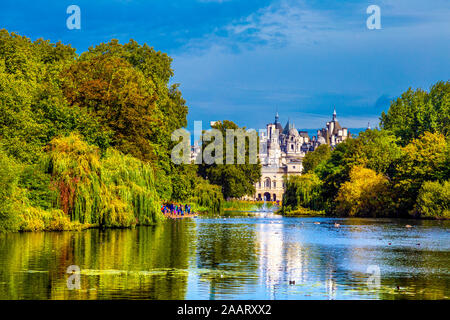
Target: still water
254,257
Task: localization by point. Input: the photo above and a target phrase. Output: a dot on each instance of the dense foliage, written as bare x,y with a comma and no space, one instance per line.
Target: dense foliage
417,112
434,199
236,180
366,194
399,170
86,140
303,191
313,159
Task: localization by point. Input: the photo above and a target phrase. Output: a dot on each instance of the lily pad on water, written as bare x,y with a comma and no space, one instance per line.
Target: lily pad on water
153,272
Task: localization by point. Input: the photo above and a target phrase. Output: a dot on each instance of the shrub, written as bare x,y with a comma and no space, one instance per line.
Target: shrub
208,197
434,200
36,219
303,192
366,194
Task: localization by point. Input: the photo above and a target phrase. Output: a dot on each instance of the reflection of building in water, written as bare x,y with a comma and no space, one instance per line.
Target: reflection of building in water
331,286
284,260
271,256
280,261
295,261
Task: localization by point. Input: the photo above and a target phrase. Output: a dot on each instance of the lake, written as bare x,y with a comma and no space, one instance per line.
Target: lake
262,256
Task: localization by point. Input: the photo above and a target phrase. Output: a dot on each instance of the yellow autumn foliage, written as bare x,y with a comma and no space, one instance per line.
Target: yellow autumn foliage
366,194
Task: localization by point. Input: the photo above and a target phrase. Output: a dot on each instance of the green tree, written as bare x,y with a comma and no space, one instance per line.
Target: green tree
336,170
434,200
373,149
153,107
424,159
417,112
379,149
33,109
8,177
120,97
303,192
207,196
184,181
114,191
366,194
236,180
313,159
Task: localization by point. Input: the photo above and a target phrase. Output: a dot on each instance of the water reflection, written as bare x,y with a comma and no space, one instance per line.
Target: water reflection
226,257
261,257
146,263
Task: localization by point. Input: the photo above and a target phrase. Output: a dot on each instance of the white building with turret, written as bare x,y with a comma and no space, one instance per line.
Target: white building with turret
282,150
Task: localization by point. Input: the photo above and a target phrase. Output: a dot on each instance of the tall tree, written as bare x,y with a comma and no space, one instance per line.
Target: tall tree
164,109
366,194
373,149
424,159
33,109
416,112
236,180
120,97
313,159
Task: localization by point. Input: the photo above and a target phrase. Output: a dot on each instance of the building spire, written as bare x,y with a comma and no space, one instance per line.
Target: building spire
334,114
287,126
368,126
277,117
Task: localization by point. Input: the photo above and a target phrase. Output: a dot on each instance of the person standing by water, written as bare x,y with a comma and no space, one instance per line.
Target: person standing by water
176,209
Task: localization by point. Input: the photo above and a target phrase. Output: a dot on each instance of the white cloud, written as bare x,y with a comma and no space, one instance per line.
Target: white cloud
297,24
288,51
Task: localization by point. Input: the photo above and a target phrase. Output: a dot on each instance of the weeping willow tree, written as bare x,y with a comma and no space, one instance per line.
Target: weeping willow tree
302,192
116,191
133,182
208,197
8,187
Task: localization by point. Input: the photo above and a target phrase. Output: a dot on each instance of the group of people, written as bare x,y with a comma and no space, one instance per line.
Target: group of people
176,209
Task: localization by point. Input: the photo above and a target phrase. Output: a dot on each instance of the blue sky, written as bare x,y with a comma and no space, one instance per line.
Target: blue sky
244,59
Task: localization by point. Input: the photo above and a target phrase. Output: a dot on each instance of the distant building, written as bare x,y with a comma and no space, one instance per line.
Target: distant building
282,151
332,134
196,149
280,154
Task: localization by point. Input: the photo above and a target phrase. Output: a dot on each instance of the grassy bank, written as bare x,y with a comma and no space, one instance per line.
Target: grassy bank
241,205
300,212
